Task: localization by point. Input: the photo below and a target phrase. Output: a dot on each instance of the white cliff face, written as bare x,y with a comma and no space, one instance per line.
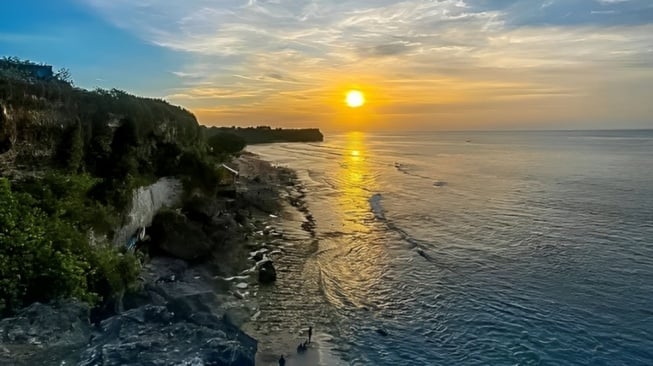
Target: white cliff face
146,201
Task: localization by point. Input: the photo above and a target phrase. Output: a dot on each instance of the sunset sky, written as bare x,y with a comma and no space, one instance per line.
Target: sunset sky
422,65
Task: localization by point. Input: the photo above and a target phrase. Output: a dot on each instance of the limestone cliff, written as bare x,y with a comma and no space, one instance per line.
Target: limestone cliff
146,202
36,117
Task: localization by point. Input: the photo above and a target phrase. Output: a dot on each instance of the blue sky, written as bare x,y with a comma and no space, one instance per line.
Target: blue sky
72,34
422,64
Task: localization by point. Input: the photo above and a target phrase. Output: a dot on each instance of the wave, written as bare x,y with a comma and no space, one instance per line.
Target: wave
421,247
379,213
404,169
377,208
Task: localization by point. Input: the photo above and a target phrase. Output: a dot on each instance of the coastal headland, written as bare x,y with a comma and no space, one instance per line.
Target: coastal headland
130,236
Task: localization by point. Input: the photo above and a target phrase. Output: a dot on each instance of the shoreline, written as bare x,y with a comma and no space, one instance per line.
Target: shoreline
186,296
286,308
223,291
279,205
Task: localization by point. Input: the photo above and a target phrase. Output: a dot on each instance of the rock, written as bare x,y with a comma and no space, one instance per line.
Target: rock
45,334
178,236
185,332
65,322
241,216
202,209
194,307
145,203
222,228
267,273
257,256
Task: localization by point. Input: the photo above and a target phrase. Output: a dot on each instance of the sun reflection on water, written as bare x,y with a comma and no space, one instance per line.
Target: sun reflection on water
354,184
359,258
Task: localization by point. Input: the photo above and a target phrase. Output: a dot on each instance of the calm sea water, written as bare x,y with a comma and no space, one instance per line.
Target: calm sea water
469,248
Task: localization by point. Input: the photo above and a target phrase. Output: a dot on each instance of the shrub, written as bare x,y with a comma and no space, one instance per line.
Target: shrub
45,253
67,197
35,266
71,149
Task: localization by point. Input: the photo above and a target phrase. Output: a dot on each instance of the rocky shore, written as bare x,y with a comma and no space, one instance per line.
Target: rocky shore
203,265
181,330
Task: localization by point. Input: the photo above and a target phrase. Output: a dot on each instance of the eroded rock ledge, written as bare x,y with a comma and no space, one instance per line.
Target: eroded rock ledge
182,330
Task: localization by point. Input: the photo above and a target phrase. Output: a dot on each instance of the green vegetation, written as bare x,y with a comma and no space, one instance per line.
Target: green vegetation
84,153
71,152
226,143
266,134
45,252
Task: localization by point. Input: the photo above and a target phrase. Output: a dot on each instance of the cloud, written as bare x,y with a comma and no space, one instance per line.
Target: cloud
571,12
279,58
388,49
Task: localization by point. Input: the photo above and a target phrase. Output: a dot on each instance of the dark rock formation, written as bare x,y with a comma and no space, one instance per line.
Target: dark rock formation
183,332
204,209
267,273
173,321
44,334
176,235
216,216
258,256
180,330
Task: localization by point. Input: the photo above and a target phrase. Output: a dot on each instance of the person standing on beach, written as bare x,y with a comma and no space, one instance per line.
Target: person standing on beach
282,361
310,334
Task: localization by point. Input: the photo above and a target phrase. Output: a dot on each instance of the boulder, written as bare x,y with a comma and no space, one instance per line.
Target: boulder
222,228
182,332
65,322
267,273
202,209
180,237
258,256
45,334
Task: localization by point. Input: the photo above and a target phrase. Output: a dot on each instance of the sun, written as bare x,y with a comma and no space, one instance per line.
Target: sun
355,99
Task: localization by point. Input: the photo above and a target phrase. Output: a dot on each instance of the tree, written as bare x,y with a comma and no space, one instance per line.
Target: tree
123,150
98,148
225,142
72,149
64,75
44,249
35,266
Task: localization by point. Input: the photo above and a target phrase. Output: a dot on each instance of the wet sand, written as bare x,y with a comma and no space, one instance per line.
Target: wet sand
315,355
280,313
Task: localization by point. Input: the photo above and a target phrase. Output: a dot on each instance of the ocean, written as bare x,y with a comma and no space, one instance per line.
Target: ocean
468,248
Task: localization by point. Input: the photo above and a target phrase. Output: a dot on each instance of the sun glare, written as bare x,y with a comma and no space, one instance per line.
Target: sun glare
355,99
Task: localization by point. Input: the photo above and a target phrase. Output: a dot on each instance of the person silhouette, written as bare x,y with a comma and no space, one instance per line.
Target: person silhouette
310,334
282,361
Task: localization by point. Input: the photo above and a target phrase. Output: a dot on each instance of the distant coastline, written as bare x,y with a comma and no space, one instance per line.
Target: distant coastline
266,134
